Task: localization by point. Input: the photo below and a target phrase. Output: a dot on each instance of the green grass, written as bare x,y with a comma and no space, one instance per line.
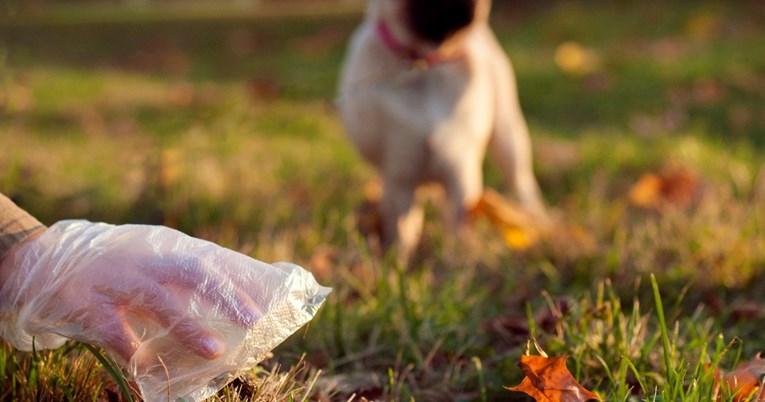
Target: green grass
222,125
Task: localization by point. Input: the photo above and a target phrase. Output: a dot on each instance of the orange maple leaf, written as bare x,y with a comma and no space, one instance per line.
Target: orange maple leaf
675,185
518,228
548,380
744,381
521,231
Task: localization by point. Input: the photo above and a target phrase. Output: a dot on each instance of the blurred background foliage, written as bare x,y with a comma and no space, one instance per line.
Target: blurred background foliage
652,68
652,71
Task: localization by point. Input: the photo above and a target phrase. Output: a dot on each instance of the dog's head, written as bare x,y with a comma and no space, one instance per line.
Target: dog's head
429,25
435,21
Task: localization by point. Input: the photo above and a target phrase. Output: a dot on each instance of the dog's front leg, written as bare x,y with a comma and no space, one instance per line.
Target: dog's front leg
463,183
402,219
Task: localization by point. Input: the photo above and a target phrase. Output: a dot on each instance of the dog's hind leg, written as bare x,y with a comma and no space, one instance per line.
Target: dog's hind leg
513,157
510,144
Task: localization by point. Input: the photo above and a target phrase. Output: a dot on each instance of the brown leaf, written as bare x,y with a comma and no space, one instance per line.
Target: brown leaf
745,380
747,310
262,88
323,261
548,380
673,186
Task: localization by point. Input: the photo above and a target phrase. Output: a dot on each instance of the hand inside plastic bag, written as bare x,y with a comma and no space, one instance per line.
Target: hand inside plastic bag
183,316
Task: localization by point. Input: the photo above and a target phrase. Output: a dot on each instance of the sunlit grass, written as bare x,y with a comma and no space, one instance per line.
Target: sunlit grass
67,374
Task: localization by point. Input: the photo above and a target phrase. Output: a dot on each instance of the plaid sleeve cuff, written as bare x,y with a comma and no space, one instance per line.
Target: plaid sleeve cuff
16,225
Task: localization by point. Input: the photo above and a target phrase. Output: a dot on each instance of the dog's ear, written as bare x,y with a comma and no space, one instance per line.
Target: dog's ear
436,20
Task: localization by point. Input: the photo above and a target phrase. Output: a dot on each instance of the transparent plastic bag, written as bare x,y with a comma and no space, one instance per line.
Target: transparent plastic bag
181,315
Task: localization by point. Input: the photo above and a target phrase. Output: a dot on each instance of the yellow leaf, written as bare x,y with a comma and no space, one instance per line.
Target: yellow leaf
517,239
646,193
518,228
574,58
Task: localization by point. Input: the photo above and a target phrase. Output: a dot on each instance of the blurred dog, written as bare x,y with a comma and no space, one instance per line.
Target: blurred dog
425,90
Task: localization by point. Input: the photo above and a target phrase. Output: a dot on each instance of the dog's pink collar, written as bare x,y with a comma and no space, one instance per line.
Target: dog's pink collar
406,52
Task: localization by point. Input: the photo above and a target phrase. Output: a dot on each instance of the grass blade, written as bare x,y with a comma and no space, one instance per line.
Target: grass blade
481,379
115,372
663,329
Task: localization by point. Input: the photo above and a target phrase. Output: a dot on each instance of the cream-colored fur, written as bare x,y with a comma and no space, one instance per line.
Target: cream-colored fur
420,123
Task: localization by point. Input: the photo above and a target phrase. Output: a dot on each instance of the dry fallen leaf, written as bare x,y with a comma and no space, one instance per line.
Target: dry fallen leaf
518,228
548,380
744,381
521,230
673,186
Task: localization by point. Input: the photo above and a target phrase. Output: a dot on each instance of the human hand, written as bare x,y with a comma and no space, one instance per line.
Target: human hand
160,302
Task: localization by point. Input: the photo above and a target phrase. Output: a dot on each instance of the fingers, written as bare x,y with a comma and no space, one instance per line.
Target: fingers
122,340
236,305
198,339
222,281
187,326
119,337
160,304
